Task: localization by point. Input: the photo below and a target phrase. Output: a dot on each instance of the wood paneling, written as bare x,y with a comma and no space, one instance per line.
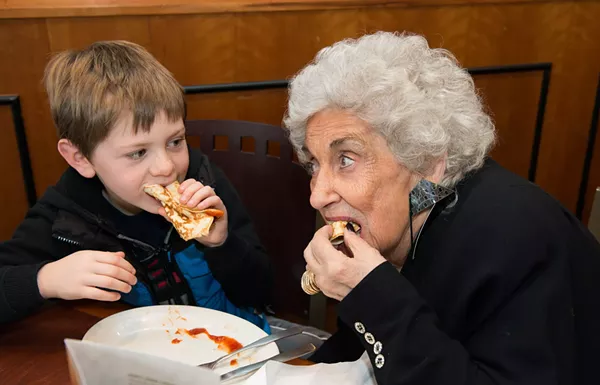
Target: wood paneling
445,27
569,106
66,33
277,45
23,55
75,8
547,33
13,199
580,68
197,49
515,122
265,106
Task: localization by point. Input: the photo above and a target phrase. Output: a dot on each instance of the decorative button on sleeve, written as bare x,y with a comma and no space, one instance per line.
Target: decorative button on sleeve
379,361
359,327
369,338
378,347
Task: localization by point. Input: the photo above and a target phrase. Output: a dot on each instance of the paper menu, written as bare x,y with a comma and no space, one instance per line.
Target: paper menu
91,363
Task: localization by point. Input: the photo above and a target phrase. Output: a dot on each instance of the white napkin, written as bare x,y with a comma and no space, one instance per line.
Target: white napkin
359,372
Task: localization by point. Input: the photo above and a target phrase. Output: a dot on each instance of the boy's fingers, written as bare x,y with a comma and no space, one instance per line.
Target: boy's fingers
100,295
105,282
185,184
115,259
190,191
117,272
212,201
200,195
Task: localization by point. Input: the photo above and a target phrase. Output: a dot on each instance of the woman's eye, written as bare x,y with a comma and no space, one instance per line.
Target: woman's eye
346,161
310,168
137,155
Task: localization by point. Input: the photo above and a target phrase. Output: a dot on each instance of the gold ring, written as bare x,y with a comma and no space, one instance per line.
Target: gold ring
308,283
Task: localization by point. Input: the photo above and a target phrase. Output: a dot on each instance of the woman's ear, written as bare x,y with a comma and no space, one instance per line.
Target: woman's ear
75,158
439,169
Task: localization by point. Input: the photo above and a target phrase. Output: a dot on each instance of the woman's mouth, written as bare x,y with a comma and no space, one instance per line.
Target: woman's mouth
338,225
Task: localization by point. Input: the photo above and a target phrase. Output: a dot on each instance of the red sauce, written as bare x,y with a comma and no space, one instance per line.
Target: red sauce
176,341
224,343
233,363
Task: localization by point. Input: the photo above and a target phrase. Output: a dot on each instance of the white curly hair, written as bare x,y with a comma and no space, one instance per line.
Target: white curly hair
418,98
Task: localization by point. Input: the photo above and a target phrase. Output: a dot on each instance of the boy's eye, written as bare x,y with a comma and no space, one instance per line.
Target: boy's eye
137,154
176,142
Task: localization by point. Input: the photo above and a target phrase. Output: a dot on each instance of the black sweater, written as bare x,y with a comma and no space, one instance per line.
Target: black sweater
503,289
69,212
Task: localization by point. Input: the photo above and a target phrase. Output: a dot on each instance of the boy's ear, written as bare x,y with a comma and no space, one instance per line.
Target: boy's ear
75,158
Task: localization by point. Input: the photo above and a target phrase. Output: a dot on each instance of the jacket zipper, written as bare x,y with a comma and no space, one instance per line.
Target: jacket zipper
66,240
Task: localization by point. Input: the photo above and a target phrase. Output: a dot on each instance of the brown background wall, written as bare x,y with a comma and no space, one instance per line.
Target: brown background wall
259,43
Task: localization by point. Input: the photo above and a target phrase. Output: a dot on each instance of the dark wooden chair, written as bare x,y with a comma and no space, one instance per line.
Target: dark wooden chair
258,160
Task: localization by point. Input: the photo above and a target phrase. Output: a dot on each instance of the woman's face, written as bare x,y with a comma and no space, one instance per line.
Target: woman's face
355,177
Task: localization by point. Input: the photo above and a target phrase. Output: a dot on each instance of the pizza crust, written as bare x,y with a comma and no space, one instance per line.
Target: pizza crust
190,223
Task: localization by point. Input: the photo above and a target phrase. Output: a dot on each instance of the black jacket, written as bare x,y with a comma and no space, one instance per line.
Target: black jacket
503,289
64,221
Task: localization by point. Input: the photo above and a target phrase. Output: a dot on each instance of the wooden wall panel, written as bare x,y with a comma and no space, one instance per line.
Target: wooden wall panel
569,106
198,49
13,199
23,55
515,123
78,8
445,27
581,64
247,105
517,33
76,33
277,45
545,33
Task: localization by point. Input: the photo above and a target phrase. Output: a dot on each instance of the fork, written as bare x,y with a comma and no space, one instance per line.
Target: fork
276,336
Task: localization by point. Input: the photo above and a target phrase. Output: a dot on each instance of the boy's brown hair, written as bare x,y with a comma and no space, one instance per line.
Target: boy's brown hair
89,90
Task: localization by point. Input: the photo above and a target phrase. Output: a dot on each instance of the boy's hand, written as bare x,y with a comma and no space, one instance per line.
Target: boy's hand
195,195
84,274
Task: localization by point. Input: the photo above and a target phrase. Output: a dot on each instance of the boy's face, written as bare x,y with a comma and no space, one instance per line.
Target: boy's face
125,161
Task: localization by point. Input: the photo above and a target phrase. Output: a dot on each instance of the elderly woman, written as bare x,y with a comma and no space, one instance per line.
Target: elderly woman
462,273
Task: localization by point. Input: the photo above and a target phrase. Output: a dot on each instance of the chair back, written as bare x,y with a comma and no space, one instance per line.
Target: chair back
259,161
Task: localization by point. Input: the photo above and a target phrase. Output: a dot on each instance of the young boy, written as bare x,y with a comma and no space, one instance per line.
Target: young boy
97,234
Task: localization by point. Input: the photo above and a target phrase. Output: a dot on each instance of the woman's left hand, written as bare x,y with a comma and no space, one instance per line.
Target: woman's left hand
335,273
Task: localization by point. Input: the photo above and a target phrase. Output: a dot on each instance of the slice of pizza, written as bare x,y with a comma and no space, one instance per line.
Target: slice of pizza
190,223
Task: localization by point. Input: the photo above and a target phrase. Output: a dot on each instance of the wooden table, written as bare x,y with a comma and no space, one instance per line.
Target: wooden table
32,351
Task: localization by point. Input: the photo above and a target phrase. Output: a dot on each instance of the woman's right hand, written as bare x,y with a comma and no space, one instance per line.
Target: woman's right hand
85,274
336,274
